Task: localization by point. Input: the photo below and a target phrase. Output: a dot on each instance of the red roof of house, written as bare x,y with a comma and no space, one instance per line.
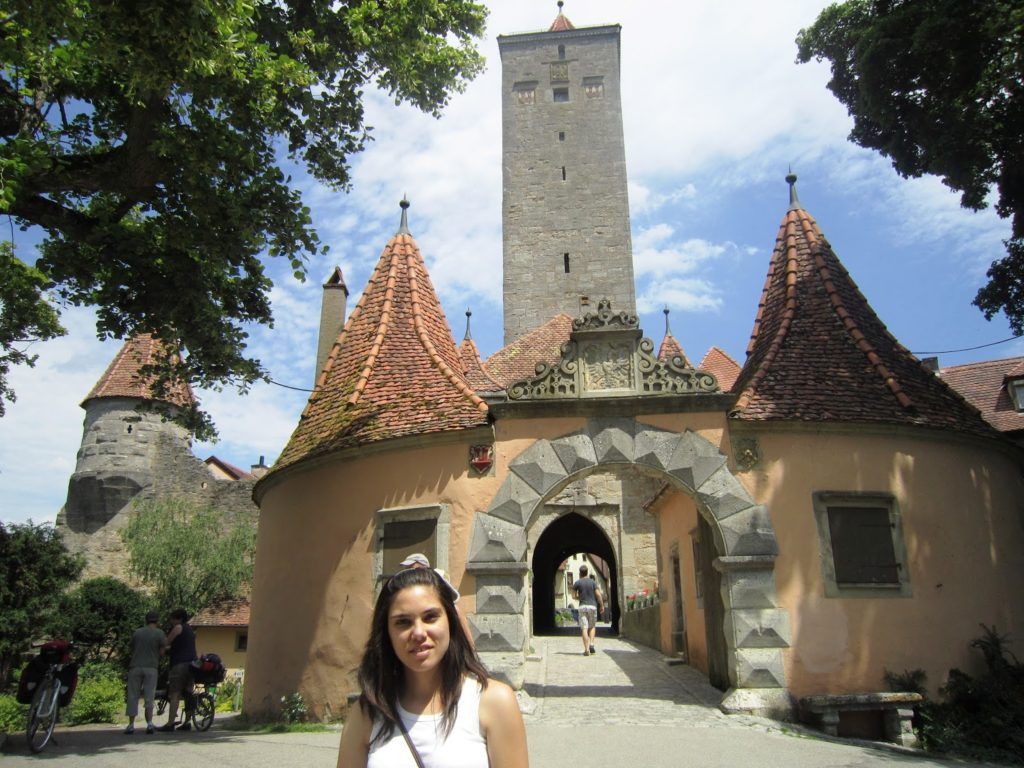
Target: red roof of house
518,360
670,348
818,351
228,613
394,370
984,386
123,378
235,473
721,366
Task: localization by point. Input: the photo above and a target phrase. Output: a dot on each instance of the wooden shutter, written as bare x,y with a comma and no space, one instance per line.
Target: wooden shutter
862,545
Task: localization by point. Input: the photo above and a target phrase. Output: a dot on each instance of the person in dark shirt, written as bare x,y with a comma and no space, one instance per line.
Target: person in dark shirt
591,601
182,652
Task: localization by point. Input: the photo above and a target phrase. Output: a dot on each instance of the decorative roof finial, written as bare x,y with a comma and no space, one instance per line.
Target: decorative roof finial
560,4
668,331
403,227
794,201
467,337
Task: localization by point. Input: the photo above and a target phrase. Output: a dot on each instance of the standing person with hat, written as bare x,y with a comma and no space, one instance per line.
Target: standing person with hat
148,645
419,560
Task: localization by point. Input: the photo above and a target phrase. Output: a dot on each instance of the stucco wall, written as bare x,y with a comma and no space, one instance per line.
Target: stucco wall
313,592
961,522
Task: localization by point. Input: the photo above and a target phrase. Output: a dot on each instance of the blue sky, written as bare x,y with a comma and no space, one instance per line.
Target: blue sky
715,111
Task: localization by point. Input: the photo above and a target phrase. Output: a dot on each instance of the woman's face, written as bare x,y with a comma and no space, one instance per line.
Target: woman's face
418,628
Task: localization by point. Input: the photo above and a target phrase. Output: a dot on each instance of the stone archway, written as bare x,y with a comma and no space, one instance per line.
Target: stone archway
756,629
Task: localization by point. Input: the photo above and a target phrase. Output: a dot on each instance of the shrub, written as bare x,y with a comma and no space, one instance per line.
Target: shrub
12,714
99,697
228,693
293,708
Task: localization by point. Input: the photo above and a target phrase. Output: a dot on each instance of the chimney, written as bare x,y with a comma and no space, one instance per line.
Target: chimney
930,364
259,470
332,318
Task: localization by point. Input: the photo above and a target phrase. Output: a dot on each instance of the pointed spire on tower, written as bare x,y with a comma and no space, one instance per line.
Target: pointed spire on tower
561,23
403,226
794,201
668,330
469,314
670,348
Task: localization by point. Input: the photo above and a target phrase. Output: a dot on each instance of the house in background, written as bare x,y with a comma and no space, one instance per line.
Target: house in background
996,389
224,630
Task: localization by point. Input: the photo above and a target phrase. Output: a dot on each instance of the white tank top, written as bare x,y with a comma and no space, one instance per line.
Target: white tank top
464,748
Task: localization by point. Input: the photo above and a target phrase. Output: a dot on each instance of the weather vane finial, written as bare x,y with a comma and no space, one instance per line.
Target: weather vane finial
403,227
469,314
794,201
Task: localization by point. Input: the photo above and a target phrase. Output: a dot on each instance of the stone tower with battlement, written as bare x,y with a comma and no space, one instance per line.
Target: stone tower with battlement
565,210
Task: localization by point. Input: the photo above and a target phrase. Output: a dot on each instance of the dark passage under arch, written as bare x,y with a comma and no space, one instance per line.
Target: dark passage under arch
566,536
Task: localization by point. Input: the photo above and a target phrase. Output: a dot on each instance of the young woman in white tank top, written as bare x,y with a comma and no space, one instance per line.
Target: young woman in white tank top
420,671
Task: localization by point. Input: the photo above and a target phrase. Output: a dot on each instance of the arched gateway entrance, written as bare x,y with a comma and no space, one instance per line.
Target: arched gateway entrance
756,629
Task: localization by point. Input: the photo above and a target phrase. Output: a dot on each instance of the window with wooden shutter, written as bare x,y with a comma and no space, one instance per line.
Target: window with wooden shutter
861,540
401,531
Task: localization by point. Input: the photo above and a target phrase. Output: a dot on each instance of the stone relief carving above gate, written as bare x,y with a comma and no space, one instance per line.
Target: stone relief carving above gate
607,356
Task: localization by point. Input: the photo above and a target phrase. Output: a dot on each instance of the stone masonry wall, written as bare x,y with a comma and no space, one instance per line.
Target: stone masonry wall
564,177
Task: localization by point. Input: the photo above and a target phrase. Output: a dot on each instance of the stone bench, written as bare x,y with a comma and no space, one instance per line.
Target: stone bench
897,712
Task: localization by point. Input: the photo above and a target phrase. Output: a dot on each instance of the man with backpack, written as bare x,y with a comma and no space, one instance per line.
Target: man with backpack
148,645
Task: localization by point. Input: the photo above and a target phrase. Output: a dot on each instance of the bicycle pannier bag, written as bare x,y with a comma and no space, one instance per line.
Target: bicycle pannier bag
68,677
30,677
208,669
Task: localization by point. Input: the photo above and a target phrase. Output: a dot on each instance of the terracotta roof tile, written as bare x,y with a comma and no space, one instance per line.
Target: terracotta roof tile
394,370
228,613
474,370
561,22
235,473
123,379
670,348
723,367
984,386
818,352
518,360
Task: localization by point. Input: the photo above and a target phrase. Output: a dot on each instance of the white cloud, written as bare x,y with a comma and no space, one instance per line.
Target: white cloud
680,293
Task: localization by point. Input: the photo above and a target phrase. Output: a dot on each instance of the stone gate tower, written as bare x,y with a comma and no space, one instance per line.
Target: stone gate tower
565,211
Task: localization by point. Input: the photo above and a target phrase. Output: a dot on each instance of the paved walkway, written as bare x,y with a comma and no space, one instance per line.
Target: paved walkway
622,707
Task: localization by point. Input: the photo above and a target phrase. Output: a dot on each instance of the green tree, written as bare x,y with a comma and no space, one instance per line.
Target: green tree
25,316
190,557
100,615
35,569
148,139
937,86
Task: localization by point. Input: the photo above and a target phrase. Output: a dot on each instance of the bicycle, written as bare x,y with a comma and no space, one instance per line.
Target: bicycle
200,705
53,691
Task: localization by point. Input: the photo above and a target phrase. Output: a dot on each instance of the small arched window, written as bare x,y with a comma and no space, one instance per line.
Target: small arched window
561,53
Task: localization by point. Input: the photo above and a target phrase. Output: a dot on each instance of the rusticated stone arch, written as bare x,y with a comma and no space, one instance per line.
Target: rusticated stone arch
756,628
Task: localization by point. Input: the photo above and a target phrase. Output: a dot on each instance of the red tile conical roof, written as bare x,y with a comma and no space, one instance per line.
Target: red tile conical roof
473,368
123,376
394,371
818,351
561,22
670,348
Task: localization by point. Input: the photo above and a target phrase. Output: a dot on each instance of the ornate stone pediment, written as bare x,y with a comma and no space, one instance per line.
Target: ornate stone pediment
607,356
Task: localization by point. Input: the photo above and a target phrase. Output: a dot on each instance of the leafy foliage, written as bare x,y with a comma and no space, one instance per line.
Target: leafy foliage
99,697
12,714
25,316
293,708
35,569
190,557
937,86
100,615
148,142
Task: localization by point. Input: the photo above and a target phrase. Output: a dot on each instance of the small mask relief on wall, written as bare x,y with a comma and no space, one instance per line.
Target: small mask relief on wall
746,452
481,458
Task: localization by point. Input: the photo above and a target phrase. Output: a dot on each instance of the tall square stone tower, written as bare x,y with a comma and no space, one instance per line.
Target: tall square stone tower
565,210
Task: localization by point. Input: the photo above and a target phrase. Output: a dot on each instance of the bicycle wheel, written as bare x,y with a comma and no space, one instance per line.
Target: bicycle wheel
202,712
42,715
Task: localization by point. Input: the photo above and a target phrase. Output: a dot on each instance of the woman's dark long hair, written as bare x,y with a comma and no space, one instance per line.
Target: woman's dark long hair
381,674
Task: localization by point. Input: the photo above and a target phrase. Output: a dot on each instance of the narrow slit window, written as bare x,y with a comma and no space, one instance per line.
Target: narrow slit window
565,262
561,53
563,173
561,135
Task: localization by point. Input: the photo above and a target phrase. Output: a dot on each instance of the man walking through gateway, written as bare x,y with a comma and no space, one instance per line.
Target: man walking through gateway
591,602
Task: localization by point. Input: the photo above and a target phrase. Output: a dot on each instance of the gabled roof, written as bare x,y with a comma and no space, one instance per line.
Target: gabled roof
518,360
123,378
561,22
235,473
723,367
227,613
818,352
394,370
984,386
